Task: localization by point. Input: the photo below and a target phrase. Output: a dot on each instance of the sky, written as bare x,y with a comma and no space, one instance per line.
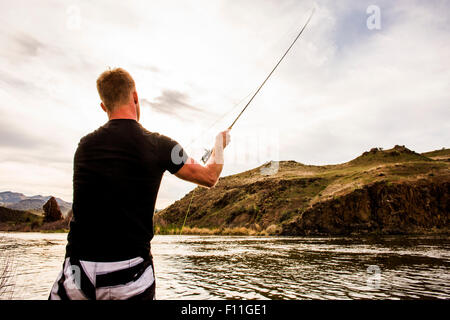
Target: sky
364,74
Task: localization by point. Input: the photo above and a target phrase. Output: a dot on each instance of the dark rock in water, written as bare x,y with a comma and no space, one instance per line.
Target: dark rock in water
52,212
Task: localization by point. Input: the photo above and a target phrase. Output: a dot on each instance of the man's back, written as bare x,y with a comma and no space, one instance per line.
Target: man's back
117,173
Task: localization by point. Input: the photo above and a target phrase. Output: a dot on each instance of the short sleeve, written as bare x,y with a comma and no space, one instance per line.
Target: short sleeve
172,156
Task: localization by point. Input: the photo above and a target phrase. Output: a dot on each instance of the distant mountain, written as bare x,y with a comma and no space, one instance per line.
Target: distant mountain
19,201
9,197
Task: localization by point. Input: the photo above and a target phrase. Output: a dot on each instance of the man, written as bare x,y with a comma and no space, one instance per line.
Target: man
117,173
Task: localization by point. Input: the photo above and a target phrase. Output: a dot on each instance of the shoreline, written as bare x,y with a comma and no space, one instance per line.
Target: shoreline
243,231
432,233
271,231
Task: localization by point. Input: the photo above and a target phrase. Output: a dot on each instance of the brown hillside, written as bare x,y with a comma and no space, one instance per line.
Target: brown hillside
382,191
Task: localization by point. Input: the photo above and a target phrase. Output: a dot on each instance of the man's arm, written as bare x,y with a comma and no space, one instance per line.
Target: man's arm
209,174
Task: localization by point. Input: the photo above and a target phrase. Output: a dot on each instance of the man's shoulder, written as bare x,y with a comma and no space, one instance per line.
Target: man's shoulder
91,135
155,136
140,132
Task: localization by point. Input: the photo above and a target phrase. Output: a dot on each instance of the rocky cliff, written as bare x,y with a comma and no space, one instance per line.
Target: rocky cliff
381,207
52,212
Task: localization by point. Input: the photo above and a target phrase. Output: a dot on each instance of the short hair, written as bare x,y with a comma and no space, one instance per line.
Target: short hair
114,87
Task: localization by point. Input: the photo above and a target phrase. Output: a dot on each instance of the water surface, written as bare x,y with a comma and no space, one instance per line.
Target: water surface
215,267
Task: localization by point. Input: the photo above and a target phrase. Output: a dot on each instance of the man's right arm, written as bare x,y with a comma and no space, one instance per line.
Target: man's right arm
209,174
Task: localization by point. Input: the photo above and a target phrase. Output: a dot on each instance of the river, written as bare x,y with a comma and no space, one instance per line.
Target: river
216,267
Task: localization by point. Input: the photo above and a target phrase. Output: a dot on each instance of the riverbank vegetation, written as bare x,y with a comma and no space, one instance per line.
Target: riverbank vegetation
25,221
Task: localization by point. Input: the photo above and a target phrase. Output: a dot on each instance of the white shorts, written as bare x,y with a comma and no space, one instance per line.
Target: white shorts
121,280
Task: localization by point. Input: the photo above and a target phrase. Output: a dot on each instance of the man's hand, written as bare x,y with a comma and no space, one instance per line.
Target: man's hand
207,175
223,138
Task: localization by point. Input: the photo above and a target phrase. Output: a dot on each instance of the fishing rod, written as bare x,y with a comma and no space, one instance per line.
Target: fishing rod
208,152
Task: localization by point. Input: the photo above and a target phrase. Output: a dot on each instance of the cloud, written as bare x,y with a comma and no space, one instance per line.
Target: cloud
24,142
150,68
11,136
27,44
341,90
13,81
18,46
174,103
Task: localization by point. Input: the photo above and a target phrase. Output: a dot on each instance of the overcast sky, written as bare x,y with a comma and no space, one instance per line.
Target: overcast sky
343,89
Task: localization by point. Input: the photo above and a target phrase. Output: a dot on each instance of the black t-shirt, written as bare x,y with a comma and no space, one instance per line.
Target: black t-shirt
117,173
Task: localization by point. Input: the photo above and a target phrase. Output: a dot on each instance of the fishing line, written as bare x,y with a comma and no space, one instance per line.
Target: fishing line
187,212
195,139
220,118
208,153
273,70
275,44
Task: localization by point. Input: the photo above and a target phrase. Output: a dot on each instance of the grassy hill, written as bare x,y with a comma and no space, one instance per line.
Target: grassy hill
18,220
442,154
12,217
381,191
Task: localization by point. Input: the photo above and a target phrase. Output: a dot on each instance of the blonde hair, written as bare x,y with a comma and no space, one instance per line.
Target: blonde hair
114,87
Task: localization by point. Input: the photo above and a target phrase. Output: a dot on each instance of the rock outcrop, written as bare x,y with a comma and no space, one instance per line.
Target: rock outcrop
381,208
52,212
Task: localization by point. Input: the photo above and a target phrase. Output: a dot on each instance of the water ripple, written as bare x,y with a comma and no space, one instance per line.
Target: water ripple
211,267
